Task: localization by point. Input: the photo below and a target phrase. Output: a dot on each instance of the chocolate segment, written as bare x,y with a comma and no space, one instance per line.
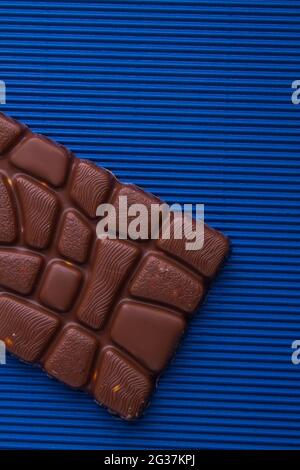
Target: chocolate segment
39,208
25,328
75,237
8,216
60,286
206,261
121,386
102,315
158,330
19,270
134,195
51,164
90,187
10,132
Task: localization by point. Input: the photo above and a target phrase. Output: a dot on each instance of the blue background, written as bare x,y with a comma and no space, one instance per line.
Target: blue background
191,100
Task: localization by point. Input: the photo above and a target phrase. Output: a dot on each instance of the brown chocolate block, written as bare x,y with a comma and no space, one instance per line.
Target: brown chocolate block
161,280
104,316
52,162
89,187
120,385
25,328
206,261
134,195
71,359
158,330
113,260
10,131
8,221
39,208
19,269
75,237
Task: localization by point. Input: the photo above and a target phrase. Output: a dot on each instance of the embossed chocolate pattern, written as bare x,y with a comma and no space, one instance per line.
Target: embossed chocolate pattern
104,316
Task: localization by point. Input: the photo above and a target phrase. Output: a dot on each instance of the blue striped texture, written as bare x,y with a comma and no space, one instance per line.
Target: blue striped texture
191,100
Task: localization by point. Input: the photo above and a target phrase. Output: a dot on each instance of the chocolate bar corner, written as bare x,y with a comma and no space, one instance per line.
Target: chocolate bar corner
105,316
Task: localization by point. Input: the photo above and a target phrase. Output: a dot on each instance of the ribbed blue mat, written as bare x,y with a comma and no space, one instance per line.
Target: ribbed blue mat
191,100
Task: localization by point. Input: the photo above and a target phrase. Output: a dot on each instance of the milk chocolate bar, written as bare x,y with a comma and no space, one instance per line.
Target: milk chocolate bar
100,315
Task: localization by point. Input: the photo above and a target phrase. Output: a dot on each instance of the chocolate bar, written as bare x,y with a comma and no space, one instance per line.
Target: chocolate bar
101,315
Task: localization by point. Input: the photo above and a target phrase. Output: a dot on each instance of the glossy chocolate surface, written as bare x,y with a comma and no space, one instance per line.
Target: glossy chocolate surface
105,316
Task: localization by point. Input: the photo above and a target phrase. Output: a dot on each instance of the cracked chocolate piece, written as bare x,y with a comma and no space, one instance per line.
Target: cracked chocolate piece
163,281
75,237
159,332
105,316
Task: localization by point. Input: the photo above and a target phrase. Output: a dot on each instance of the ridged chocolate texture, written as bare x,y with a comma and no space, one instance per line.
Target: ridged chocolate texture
105,316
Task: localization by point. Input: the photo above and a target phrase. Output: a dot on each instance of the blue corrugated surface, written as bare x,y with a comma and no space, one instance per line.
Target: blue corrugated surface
192,101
